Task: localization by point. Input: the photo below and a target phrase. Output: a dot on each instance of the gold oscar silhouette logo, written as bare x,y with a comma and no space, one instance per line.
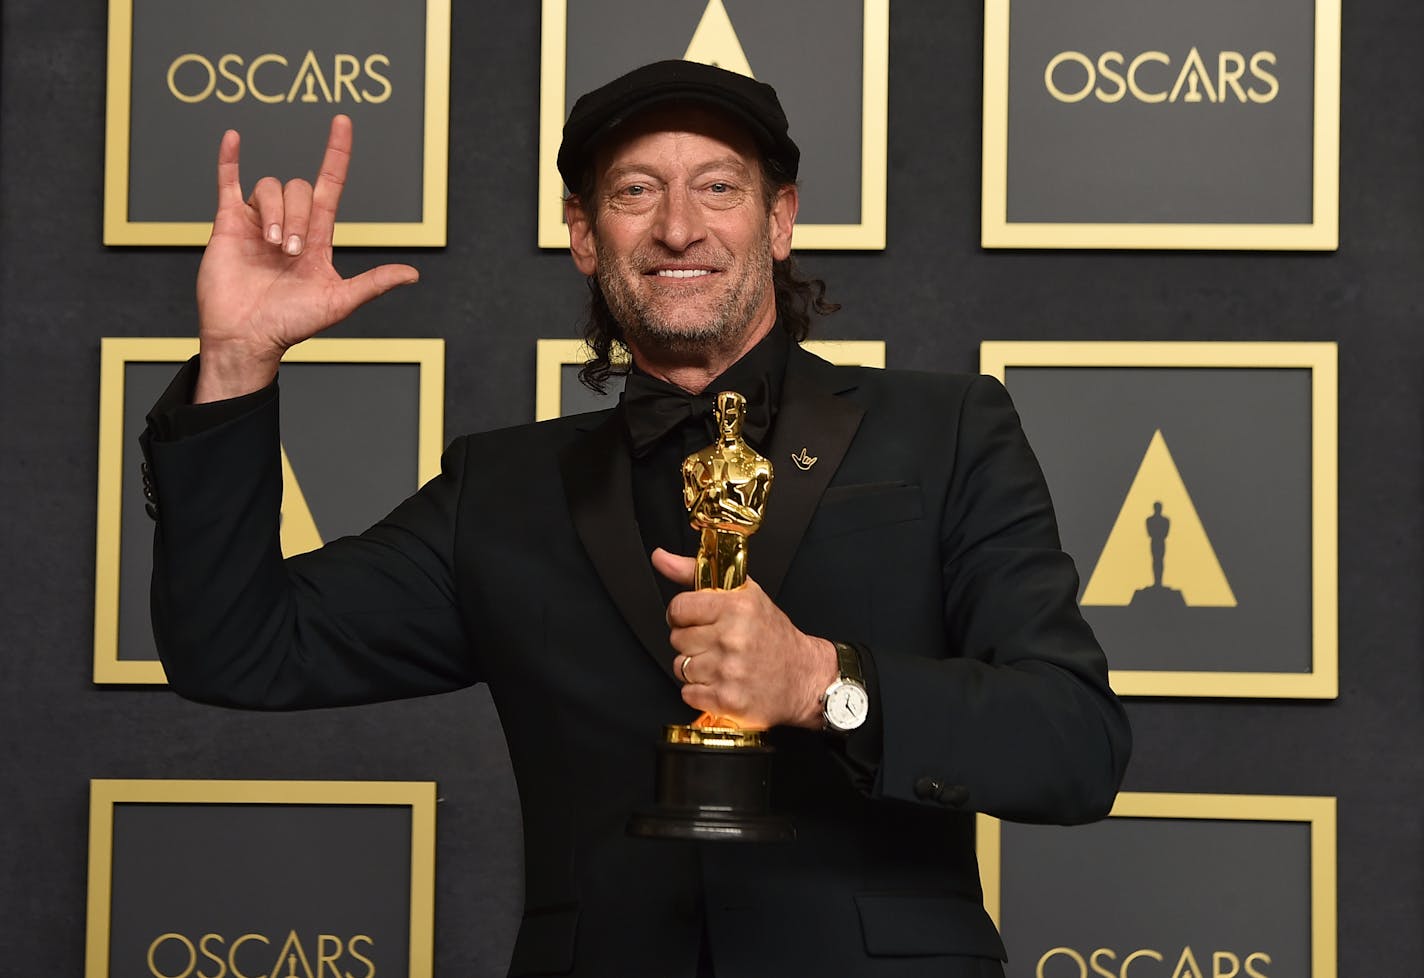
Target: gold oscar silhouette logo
299,532
715,42
1158,554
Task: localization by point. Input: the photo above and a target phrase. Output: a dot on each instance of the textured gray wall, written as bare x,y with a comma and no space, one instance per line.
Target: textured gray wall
932,295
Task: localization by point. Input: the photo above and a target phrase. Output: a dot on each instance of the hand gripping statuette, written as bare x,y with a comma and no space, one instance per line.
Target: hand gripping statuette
713,780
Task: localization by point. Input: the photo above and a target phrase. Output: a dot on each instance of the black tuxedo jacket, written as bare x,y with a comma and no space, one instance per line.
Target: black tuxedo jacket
923,533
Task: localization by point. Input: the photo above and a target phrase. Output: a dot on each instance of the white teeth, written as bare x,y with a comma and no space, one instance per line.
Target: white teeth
682,272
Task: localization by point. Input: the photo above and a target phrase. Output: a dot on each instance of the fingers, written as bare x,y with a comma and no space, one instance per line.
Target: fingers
331,179
720,703
679,570
361,289
738,655
696,641
705,607
703,666
296,215
229,182
267,201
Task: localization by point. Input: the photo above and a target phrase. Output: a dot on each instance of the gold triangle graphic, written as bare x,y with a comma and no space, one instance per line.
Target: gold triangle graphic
299,532
1128,564
715,42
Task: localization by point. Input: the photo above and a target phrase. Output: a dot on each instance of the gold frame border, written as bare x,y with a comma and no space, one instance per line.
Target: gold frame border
1322,360
104,794
551,356
1319,812
427,233
1322,234
116,353
868,235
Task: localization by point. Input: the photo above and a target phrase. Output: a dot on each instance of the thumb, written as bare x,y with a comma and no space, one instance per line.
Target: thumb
360,289
678,569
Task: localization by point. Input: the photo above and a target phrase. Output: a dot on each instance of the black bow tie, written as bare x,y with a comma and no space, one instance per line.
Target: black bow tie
653,407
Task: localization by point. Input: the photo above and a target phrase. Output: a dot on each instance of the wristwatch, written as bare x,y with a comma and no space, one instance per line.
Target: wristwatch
846,703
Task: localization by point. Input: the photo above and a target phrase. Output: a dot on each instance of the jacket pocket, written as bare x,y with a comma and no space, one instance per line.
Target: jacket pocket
546,942
845,509
900,925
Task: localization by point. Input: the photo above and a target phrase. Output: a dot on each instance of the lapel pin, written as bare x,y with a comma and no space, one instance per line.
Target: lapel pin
804,461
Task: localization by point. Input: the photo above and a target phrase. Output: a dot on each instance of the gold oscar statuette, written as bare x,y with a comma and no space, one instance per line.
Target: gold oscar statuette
713,780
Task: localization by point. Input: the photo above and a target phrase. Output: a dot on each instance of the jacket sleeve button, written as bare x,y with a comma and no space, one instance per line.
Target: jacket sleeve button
934,789
929,789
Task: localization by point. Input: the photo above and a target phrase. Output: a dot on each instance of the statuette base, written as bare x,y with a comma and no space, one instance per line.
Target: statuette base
713,784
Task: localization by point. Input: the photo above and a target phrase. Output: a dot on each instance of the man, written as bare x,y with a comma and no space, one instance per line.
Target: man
917,557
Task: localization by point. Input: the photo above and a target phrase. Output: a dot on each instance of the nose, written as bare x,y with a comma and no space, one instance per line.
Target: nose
680,222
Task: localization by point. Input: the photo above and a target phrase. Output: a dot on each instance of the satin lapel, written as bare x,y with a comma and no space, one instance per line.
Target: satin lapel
599,486
811,422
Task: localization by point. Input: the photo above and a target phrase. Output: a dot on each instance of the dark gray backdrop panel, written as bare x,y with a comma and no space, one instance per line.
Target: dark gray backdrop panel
1175,162
932,295
193,869
178,141
1165,884
1241,441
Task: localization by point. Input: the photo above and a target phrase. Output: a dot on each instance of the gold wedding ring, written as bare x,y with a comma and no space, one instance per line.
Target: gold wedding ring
682,669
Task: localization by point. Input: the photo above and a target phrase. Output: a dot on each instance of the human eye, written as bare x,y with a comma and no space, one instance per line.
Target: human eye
722,192
632,194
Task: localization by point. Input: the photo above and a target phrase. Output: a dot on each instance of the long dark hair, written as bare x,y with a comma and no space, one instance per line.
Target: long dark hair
797,299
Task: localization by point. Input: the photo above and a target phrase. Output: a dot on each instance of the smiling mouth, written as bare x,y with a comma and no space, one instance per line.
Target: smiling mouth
682,272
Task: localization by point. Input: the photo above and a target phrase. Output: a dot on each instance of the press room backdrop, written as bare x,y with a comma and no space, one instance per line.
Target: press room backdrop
932,295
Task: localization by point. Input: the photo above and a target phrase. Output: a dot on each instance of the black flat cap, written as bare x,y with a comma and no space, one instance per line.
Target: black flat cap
602,110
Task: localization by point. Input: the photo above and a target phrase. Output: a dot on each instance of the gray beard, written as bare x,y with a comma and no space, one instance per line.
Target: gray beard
650,333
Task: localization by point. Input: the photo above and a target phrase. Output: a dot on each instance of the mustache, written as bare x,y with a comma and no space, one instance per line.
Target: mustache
648,259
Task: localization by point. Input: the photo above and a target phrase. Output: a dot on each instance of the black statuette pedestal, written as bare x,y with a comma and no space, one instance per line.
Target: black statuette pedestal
709,793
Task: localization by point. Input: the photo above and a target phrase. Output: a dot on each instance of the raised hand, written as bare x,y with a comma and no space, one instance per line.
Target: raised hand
267,281
739,656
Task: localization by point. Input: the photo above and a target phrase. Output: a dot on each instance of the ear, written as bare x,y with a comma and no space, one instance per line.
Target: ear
783,220
581,235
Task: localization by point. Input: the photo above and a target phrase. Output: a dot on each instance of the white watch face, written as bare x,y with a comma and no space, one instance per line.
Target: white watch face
846,705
